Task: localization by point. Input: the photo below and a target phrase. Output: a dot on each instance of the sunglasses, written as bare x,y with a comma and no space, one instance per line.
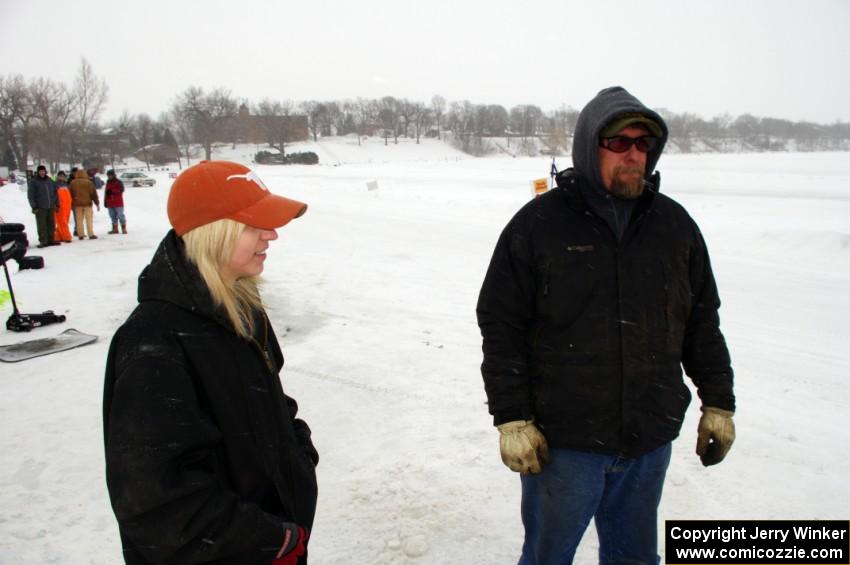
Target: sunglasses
622,143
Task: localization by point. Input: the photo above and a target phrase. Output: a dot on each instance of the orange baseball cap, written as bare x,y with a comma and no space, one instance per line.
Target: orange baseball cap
215,190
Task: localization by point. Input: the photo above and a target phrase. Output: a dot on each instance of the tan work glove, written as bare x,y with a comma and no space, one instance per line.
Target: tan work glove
523,447
715,435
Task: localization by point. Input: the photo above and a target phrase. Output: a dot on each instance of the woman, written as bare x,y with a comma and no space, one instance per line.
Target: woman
205,461
113,199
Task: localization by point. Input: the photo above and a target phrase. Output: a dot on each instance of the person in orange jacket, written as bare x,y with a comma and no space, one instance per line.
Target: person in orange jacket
63,212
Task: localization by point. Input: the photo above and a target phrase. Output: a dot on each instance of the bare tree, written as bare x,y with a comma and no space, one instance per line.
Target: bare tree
17,116
90,93
388,117
421,119
167,122
332,119
53,106
144,133
315,114
745,127
270,110
287,107
684,128
343,119
278,123
461,119
115,136
406,111
182,124
438,107
559,127
526,119
364,112
223,109
211,116
493,120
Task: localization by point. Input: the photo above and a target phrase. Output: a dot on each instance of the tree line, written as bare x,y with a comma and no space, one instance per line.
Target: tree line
46,121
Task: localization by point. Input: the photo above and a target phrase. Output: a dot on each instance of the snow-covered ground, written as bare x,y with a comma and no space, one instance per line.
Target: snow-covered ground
373,293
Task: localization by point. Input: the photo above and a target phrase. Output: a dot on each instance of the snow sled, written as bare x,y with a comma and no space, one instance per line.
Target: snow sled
69,339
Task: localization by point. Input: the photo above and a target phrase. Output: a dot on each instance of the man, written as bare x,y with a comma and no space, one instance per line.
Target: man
83,195
41,192
598,293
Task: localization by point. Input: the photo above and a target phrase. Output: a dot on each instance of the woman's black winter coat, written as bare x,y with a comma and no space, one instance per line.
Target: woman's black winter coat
205,459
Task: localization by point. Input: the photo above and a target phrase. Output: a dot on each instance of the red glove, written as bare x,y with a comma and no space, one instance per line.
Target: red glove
291,556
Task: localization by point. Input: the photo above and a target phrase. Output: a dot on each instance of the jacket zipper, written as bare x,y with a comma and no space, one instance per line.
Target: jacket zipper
627,235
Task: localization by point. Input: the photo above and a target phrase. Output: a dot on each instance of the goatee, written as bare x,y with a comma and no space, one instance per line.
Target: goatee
627,182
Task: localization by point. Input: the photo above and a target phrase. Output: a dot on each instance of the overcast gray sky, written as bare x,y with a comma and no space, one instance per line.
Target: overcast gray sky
781,58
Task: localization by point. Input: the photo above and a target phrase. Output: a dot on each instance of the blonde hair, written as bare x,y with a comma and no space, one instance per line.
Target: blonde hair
209,247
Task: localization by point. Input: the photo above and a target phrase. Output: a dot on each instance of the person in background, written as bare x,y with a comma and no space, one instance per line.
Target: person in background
98,182
83,196
63,211
598,293
206,461
113,199
41,192
71,176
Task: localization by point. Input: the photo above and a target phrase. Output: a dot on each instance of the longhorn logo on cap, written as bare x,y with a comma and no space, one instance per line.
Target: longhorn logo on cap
250,176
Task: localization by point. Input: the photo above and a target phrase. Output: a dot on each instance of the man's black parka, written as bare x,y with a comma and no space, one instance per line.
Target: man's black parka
205,460
586,332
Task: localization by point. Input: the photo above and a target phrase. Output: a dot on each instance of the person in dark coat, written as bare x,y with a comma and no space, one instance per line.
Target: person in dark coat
206,461
598,293
43,199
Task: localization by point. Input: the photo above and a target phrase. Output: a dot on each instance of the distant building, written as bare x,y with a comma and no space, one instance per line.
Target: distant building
247,128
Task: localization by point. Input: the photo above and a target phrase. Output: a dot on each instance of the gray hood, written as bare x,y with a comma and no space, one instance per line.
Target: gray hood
607,105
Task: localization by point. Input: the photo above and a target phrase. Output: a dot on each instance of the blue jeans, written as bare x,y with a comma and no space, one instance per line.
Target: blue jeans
116,214
621,494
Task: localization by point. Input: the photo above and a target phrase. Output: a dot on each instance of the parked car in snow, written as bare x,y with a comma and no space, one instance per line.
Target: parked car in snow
136,179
